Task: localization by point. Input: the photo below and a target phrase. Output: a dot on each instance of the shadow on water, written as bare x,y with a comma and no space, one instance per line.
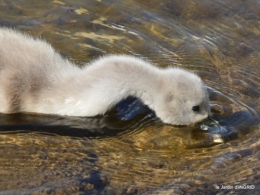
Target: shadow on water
126,113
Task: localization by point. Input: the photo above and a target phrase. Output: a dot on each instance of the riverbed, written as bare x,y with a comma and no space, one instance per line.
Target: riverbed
129,150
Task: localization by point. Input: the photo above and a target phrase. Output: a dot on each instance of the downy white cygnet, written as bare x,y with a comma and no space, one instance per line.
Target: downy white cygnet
34,78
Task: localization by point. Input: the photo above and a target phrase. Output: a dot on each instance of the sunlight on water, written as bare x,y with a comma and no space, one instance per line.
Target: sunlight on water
129,151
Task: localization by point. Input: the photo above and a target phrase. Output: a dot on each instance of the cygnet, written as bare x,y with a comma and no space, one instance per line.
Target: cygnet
34,78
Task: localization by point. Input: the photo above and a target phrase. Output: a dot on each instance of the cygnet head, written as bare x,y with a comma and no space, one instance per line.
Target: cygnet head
183,98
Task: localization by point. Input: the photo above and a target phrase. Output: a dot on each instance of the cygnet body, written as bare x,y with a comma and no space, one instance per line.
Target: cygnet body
34,78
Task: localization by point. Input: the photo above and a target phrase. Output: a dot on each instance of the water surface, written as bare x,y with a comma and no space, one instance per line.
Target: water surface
129,151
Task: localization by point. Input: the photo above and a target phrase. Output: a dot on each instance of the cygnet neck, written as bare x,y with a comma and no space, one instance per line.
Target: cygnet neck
102,84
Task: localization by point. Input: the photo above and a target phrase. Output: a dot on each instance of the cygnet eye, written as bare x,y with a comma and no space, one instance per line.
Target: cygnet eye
196,108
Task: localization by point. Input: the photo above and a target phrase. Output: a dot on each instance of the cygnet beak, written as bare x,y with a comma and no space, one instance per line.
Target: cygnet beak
213,121
205,123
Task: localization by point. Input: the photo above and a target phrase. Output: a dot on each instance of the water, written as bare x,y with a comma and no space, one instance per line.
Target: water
129,151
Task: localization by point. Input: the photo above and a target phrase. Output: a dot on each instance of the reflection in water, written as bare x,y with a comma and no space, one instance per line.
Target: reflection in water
129,151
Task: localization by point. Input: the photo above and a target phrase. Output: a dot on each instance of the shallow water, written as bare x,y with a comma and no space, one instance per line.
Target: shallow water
129,151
